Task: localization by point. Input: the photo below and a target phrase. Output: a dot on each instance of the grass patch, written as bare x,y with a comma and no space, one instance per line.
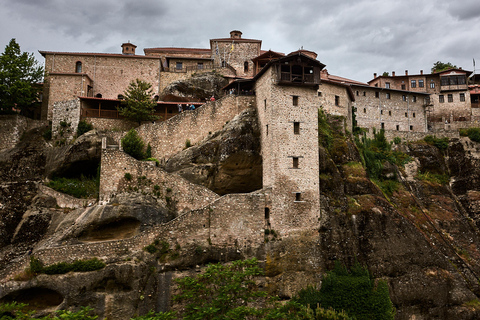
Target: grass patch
472,133
82,187
440,143
435,178
36,266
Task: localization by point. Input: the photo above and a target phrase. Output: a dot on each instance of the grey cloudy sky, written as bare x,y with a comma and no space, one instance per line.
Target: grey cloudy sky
353,38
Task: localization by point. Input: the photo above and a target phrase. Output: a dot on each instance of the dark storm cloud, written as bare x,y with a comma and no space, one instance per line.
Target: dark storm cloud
353,38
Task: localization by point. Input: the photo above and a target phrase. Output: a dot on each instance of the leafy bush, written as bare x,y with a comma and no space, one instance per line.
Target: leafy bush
397,140
133,145
128,176
148,153
82,187
441,144
47,134
442,179
150,248
83,127
153,159
37,267
353,291
188,144
472,133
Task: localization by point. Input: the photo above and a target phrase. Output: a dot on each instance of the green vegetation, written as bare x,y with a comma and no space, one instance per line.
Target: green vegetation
82,187
83,127
162,250
442,179
128,176
188,144
397,140
440,143
20,76
21,311
440,66
36,266
148,153
157,163
133,145
325,132
138,104
472,133
353,291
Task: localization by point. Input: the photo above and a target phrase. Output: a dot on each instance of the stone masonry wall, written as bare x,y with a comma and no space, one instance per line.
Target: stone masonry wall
13,126
64,200
327,93
103,124
172,190
243,51
65,112
395,113
290,159
168,137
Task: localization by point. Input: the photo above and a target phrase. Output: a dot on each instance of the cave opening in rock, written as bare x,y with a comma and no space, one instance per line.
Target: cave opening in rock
37,298
117,229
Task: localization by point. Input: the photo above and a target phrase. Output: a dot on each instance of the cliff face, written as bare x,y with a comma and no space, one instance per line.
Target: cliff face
421,237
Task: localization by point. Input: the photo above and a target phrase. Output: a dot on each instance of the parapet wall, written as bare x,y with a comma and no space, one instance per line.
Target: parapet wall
13,126
65,119
169,137
170,189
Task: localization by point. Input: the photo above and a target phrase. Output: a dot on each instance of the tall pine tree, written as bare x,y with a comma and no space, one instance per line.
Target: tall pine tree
138,105
20,76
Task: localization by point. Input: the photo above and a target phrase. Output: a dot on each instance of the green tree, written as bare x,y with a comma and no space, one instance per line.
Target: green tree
385,74
133,144
353,291
440,66
20,76
138,104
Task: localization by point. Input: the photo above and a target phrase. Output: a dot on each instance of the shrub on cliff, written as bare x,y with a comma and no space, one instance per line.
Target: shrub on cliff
83,127
353,291
133,145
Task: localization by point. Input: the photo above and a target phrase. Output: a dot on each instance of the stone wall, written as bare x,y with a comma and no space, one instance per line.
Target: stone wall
415,136
170,189
65,119
290,154
169,137
66,201
103,124
12,128
327,93
243,51
389,109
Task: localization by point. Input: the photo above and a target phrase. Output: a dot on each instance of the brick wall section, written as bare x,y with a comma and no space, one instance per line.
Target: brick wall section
280,145
184,195
13,126
168,137
68,111
406,114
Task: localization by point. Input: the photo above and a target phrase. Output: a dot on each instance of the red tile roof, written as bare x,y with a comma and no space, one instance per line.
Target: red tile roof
113,55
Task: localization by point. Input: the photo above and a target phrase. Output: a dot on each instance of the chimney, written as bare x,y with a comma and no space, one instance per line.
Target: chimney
406,72
374,75
421,72
393,73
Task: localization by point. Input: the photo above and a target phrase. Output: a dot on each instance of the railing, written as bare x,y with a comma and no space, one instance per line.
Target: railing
290,77
208,66
475,104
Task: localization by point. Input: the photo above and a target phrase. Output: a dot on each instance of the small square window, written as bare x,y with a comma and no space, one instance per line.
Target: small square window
404,98
462,96
377,95
319,93
411,128
295,100
364,110
441,98
413,83
450,97
364,93
406,114
414,99
432,85
179,66
296,128
403,87
387,85
420,83
388,95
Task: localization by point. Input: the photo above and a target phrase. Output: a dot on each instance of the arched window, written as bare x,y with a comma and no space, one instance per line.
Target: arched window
78,67
245,66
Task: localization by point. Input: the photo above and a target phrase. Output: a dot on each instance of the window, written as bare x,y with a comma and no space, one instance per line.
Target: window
245,66
376,84
441,98
406,114
450,97
398,127
420,83
403,87
387,85
357,92
319,93
364,110
462,96
414,98
382,125
296,128
265,104
411,128
389,113
295,100
404,98
78,67
295,162
377,94
381,111
200,65
364,93
179,66
267,129
432,85
298,196
388,95
413,83
413,114
337,100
